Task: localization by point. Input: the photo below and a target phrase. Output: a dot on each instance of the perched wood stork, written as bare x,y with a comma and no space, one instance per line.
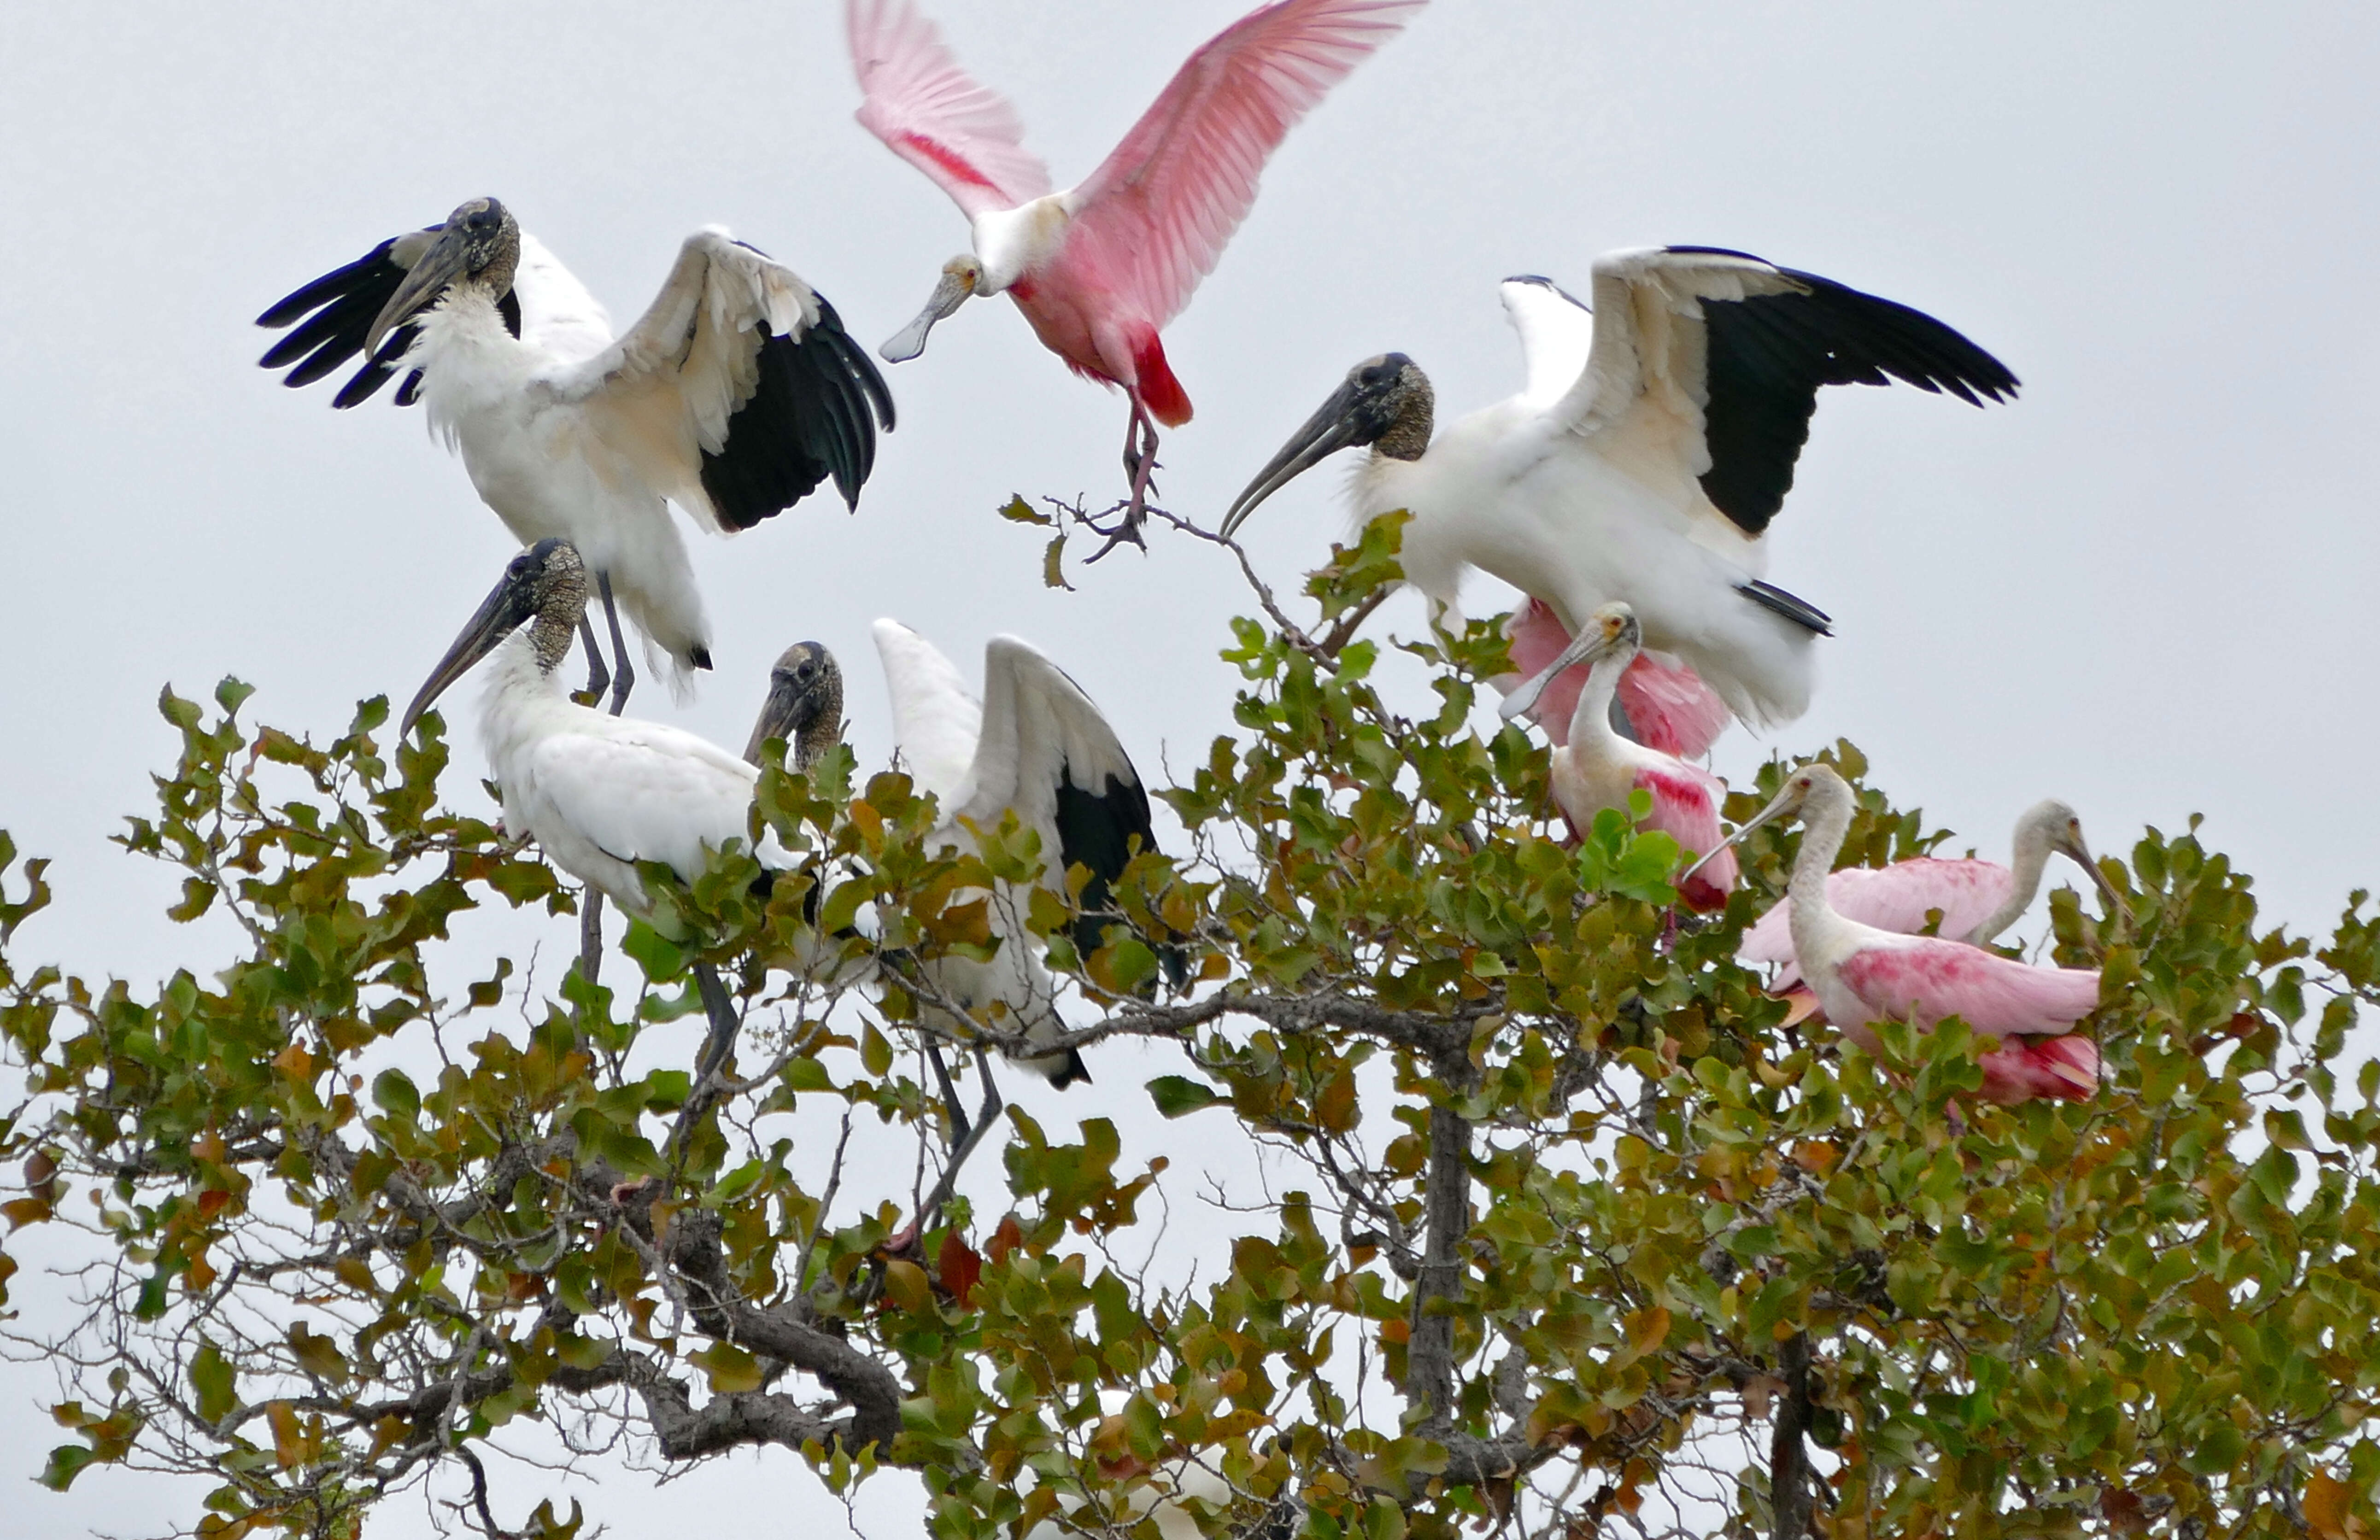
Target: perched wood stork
1101,268
1644,457
804,706
734,395
1595,767
598,792
1863,975
1976,899
1035,746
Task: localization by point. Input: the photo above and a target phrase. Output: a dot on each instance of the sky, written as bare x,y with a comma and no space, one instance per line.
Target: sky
2144,586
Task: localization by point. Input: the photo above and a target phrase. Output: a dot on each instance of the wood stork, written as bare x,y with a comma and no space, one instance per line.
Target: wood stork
1863,975
598,792
1037,747
1595,768
1644,457
734,395
1101,268
1976,899
804,706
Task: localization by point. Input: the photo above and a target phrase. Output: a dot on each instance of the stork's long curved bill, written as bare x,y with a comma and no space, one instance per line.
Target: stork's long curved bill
498,616
790,709
1339,423
948,296
449,258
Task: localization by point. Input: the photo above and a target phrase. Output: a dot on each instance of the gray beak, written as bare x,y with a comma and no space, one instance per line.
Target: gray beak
2076,851
499,615
449,258
790,709
1342,421
910,341
1783,804
1584,647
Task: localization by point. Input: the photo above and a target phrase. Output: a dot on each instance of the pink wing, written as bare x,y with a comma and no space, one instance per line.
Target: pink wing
1894,898
1667,702
1151,220
1924,979
1685,807
2029,1068
928,112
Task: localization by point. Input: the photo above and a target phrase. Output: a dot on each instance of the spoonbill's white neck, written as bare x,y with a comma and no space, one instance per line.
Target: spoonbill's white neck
1012,242
1826,819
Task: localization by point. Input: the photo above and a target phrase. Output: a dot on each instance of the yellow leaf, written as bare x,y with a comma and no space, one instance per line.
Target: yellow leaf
906,1281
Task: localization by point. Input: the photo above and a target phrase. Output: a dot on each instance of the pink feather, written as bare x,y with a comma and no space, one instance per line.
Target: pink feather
1667,704
1923,979
932,115
1686,802
1894,898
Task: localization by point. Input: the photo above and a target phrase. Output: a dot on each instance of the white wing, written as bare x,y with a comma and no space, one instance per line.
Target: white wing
935,720
1556,333
644,792
557,313
1046,752
736,393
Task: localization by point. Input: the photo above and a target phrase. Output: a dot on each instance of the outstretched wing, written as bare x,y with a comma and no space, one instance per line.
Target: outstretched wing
1712,359
1556,330
548,307
1050,755
932,115
1153,218
936,720
737,392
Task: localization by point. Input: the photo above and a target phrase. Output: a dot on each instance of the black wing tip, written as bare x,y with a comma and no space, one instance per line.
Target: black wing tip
1073,1071
1801,612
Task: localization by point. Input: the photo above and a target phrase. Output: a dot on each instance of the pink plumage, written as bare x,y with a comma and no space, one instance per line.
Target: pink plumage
1105,266
1686,803
1896,898
1668,705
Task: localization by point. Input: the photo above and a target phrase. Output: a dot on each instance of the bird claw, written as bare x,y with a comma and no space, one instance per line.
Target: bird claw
1125,529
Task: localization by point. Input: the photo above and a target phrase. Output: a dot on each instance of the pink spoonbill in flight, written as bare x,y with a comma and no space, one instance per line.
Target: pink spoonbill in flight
1642,461
1099,269
1863,975
1595,768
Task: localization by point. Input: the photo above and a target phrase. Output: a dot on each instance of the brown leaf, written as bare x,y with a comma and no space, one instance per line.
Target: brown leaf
959,1268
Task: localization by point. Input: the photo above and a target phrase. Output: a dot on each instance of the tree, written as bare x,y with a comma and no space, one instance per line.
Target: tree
1592,1241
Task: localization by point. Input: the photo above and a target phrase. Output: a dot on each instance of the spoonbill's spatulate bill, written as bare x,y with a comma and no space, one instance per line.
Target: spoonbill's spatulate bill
1660,702
597,792
1037,747
734,396
1645,456
1863,975
1101,268
1976,899
1595,768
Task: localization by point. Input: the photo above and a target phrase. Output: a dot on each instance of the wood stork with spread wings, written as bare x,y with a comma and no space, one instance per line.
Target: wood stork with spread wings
1100,269
1642,461
734,396
1863,975
1037,747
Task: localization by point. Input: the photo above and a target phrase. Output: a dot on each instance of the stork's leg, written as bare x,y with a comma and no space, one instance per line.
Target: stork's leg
716,1046
590,935
598,674
987,1114
951,1108
623,674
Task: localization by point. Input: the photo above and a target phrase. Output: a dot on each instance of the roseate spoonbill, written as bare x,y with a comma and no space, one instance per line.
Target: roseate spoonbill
1644,457
1978,899
734,397
1863,975
1595,767
1659,703
1101,268
1035,746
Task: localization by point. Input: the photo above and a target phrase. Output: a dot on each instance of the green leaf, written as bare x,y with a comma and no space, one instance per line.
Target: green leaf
1177,1096
210,1378
660,957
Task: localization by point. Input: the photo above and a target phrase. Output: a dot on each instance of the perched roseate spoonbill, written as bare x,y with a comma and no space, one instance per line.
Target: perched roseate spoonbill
1863,975
1595,768
1035,746
1101,268
1644,457
1978,899
734,397
1660,702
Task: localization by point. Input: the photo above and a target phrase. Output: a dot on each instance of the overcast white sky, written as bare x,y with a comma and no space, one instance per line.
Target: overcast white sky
2146,586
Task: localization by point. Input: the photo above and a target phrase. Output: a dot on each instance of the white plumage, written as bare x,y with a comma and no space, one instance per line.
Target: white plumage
1644,457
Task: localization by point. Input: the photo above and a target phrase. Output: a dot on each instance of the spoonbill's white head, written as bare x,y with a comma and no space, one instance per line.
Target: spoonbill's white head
480,245
1385,402
2050,826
